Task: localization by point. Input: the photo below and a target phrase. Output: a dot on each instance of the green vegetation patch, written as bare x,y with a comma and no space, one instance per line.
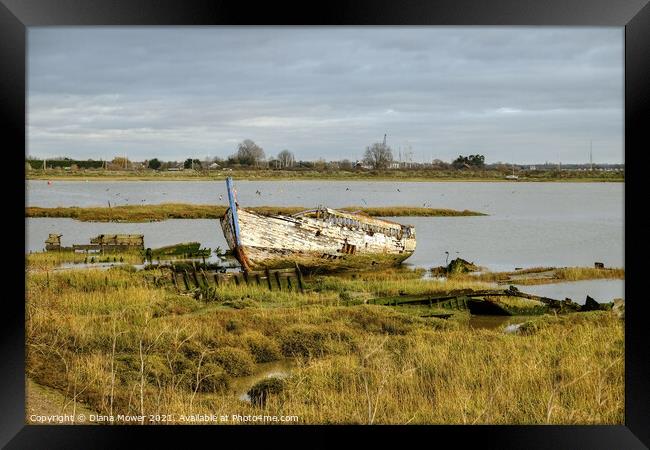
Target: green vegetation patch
165,211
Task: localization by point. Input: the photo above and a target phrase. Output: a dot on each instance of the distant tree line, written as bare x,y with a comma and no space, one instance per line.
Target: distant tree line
248,154
65,162
475,161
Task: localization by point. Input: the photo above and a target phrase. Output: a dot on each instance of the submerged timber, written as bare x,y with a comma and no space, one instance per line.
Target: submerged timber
322,238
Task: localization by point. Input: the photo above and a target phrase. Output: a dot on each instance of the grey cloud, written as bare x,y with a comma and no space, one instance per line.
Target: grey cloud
528,94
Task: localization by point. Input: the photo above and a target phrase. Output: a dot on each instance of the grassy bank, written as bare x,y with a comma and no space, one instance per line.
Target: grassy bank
121,345
49,260
164,211
306,174
544,275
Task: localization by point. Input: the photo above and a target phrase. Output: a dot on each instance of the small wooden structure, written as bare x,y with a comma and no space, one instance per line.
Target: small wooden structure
113,243
53,242
101,243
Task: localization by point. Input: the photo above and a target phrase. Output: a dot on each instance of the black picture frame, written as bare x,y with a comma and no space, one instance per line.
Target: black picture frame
634,15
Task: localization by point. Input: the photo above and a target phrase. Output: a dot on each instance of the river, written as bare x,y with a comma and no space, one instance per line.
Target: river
528,224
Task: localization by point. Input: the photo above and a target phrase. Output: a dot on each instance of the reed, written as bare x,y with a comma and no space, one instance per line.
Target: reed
52,259
331,174
120,344
543,275
165,211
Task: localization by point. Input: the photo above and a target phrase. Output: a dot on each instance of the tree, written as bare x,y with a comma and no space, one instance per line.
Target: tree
154,164
439,164
192,164
320,164
121,162
249,153
345,164
476,160
471,161
286,158
378,155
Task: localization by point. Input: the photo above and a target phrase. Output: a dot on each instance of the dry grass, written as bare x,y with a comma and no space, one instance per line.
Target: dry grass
164,211
124,346
588,273
543,275
565,372
49,260
331,174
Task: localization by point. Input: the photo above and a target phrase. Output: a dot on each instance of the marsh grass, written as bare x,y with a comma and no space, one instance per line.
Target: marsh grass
328,174
543,275
165,211
120,344
49,260
588,273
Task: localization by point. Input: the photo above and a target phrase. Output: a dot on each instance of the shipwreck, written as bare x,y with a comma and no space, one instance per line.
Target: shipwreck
321,238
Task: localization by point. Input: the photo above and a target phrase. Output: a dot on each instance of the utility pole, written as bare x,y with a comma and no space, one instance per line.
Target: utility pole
591,156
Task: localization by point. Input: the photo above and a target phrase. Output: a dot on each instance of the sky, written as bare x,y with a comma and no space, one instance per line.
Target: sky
513,94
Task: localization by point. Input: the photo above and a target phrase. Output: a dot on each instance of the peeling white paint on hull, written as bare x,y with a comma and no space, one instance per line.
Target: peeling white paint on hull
320,238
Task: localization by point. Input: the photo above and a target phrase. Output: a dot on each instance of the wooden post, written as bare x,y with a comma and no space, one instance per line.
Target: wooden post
236,279
245,276
216,279
268,279
277,277
299,276
186,280
173,274
196,278
257,278
289,282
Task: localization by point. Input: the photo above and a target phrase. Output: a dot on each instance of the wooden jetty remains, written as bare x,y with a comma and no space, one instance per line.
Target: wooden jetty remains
195,277
486,302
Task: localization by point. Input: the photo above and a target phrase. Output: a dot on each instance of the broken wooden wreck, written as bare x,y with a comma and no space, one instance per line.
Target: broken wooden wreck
100,243
314,239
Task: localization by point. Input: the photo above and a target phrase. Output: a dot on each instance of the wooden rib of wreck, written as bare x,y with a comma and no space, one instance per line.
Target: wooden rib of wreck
314,239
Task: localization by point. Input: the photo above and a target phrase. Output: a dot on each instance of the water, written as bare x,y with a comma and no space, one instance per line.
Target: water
507,324
529,224
277,369
603,291
156,234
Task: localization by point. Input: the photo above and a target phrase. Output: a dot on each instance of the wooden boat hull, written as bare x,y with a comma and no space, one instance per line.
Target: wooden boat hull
331,240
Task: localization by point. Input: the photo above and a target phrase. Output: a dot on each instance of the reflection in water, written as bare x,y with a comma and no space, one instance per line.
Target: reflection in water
277,369
603,291
497,322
